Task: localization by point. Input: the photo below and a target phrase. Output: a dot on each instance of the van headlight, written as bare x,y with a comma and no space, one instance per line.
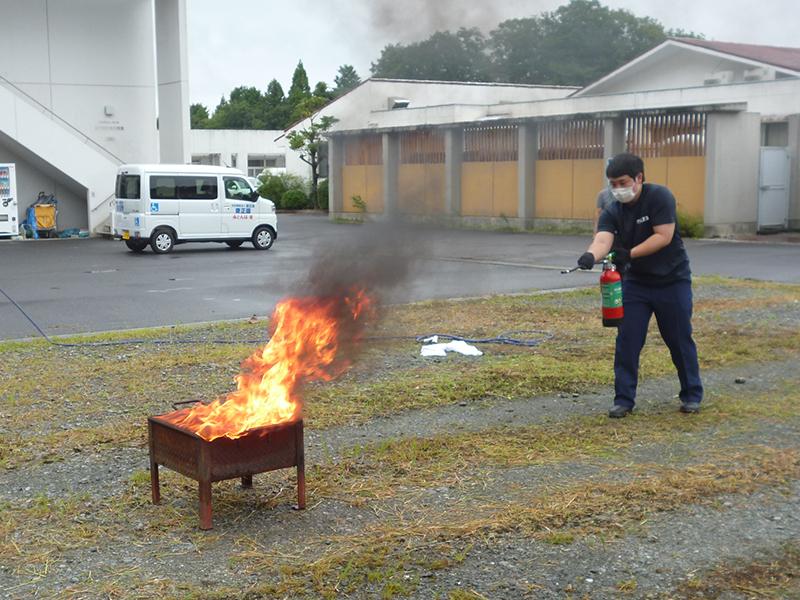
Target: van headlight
270,206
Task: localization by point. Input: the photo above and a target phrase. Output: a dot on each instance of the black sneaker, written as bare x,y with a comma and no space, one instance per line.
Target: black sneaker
690,407
619,411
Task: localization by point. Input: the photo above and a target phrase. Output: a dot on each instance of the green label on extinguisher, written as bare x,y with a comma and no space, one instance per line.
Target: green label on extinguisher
612,294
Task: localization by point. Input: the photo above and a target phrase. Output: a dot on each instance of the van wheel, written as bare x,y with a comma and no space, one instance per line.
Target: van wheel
136,245
234,244
263,238
162,241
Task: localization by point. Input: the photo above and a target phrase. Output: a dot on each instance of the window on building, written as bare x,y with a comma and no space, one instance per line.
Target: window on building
256,163
234,160
775,134
206,159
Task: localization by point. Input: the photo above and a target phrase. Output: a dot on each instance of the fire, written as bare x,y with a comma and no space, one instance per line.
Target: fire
308,335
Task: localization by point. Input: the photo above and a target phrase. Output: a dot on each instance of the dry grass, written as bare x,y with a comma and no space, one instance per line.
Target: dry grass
383,552
777,576
376,470
90,394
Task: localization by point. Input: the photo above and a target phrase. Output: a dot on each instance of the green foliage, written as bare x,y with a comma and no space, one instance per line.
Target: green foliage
307,107
294,199
198,116
446,56
322,194
274,186
300,88
359,204
346,80
308,141
690,226
573,45
321,91
244,110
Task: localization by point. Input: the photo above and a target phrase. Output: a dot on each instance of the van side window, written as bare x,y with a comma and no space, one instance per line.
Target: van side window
183,187
237,188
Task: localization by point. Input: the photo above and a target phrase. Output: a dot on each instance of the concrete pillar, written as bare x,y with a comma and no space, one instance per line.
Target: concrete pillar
335,172
453,155
794,171
172,67
732,163
527,149
391,166
613,137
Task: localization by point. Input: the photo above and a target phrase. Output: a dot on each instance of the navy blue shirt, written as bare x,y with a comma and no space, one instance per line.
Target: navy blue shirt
633,223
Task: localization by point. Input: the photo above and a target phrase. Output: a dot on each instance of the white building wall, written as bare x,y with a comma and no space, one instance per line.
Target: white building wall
84,58
368,105
672,67
776,98
173,80
244,142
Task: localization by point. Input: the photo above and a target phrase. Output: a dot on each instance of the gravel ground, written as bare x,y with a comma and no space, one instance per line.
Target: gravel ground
670,549
651,560
102,474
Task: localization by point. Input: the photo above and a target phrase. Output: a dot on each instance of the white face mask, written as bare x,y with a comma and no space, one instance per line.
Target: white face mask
623,194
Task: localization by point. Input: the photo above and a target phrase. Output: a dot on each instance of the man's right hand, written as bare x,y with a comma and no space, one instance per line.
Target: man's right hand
586,261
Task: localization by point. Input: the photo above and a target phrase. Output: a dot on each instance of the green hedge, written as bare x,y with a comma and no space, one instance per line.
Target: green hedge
690,226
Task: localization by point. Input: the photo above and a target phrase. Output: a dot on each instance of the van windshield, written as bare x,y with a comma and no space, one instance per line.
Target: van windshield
128,187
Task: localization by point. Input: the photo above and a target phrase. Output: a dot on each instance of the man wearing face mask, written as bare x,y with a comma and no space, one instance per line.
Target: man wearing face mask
640,227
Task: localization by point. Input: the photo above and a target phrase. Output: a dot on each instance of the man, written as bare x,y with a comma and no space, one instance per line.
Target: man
640,227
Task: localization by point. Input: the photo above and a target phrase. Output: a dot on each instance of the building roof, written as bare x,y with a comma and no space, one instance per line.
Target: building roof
785,60
777,56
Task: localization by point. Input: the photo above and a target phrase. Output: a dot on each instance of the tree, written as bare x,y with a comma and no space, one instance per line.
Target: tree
299,90
277,109
447,56
198,116
574,45
244,110
345,81
321,91
309,141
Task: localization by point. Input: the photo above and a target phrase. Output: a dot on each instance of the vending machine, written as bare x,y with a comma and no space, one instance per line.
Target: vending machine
9,220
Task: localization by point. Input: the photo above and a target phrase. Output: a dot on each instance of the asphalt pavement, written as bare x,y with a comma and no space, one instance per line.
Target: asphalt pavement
86,285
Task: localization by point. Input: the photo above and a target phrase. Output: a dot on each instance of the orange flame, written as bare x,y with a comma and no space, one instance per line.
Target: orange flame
308,334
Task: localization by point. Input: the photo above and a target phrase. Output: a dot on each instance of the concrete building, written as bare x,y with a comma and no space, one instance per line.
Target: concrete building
251,151
718,123
86,85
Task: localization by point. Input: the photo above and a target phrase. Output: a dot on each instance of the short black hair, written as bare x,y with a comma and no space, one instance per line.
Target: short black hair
625,164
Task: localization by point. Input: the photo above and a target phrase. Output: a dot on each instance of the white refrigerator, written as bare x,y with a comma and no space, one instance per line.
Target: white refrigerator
9,219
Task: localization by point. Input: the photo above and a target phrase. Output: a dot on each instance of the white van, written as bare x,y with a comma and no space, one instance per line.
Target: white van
164,205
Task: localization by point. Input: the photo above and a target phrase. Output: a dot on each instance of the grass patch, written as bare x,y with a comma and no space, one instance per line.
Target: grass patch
410,545
376,470
88,392
777,576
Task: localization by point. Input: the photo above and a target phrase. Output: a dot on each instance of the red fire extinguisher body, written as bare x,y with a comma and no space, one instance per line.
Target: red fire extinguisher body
611,292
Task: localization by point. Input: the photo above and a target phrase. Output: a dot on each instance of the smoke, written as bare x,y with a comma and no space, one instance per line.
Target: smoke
373,261
414,20
378,257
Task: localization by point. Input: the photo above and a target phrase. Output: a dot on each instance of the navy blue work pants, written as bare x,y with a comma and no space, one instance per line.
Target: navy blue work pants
672,305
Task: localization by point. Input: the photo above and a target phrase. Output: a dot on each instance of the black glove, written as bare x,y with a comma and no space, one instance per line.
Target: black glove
586,261
622,258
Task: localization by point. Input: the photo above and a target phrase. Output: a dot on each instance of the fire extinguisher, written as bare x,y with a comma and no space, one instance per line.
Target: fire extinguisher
611,293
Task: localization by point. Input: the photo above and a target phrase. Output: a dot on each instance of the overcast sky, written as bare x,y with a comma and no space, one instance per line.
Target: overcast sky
250,42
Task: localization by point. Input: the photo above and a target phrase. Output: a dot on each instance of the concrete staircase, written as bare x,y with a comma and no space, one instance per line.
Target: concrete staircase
44,133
